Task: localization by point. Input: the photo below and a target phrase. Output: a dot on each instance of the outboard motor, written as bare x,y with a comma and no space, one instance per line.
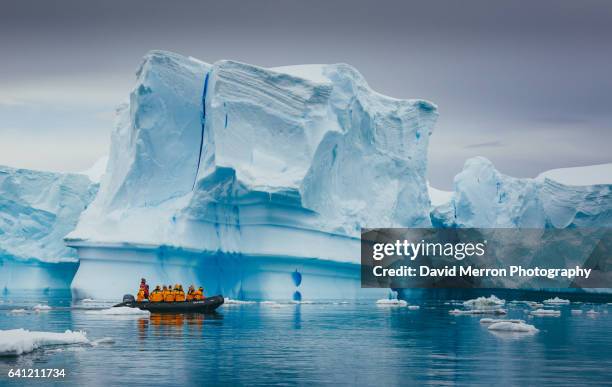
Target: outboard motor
128,299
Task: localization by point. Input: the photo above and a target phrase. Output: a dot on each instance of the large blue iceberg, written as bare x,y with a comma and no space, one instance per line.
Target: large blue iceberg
239,177
256,183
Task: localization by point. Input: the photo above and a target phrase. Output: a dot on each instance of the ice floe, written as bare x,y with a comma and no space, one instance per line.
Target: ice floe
511,326
576,311
556,301
546,313
230,301
18,311
15,342
41,308
274,304
414,307
498,311
120,311
592,312
484,302
392,303
496,320
104,340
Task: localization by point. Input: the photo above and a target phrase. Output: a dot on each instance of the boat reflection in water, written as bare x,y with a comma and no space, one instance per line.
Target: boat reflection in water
174,324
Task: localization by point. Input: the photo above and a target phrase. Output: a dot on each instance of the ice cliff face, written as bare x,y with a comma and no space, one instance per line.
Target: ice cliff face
37,209
483,197
203,151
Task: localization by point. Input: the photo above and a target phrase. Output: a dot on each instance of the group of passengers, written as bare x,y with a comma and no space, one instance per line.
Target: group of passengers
168,293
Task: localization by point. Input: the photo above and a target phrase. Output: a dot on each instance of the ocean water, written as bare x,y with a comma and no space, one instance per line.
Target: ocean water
328,342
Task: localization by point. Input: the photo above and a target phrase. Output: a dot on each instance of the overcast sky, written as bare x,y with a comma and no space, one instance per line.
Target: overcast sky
525,83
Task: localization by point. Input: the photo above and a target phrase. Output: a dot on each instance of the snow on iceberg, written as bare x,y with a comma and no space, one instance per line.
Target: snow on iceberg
237,176
511,326
37,209
19,341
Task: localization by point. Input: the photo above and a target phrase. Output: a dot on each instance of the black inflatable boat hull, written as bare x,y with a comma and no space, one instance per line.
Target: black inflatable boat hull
207,305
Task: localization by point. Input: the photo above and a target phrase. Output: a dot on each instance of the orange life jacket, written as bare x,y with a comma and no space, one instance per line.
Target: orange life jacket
190,295
179,295
169,296
141,295
198,295
156,296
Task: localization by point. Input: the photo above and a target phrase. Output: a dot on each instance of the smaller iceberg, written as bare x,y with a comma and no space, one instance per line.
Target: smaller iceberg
484,302
15,342
511,326
393,303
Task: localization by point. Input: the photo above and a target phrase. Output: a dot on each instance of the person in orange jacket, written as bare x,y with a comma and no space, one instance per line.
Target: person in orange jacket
198,295
169,296
156,295
143,291
190,292
179,293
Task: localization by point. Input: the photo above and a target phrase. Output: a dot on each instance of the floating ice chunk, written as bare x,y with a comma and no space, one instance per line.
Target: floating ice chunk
104,340
546,313
88,300
120,311
15,342
273,304
576,311
393,303
556,301
531,304
592,312
18,311
478,311
484,302
230,301
41,308
511,326
495,320
414,307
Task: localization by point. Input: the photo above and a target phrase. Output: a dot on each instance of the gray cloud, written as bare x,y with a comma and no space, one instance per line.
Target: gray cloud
533,76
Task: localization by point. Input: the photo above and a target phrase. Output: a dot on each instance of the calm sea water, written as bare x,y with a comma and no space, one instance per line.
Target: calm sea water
332,342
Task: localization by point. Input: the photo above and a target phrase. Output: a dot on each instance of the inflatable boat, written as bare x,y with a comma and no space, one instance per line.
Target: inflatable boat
207,305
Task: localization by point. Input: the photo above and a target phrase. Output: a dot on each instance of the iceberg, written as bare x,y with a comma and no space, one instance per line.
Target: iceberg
485,198
37,209
254,182
512,326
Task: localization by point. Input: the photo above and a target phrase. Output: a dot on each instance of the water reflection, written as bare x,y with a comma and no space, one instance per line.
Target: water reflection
174,324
